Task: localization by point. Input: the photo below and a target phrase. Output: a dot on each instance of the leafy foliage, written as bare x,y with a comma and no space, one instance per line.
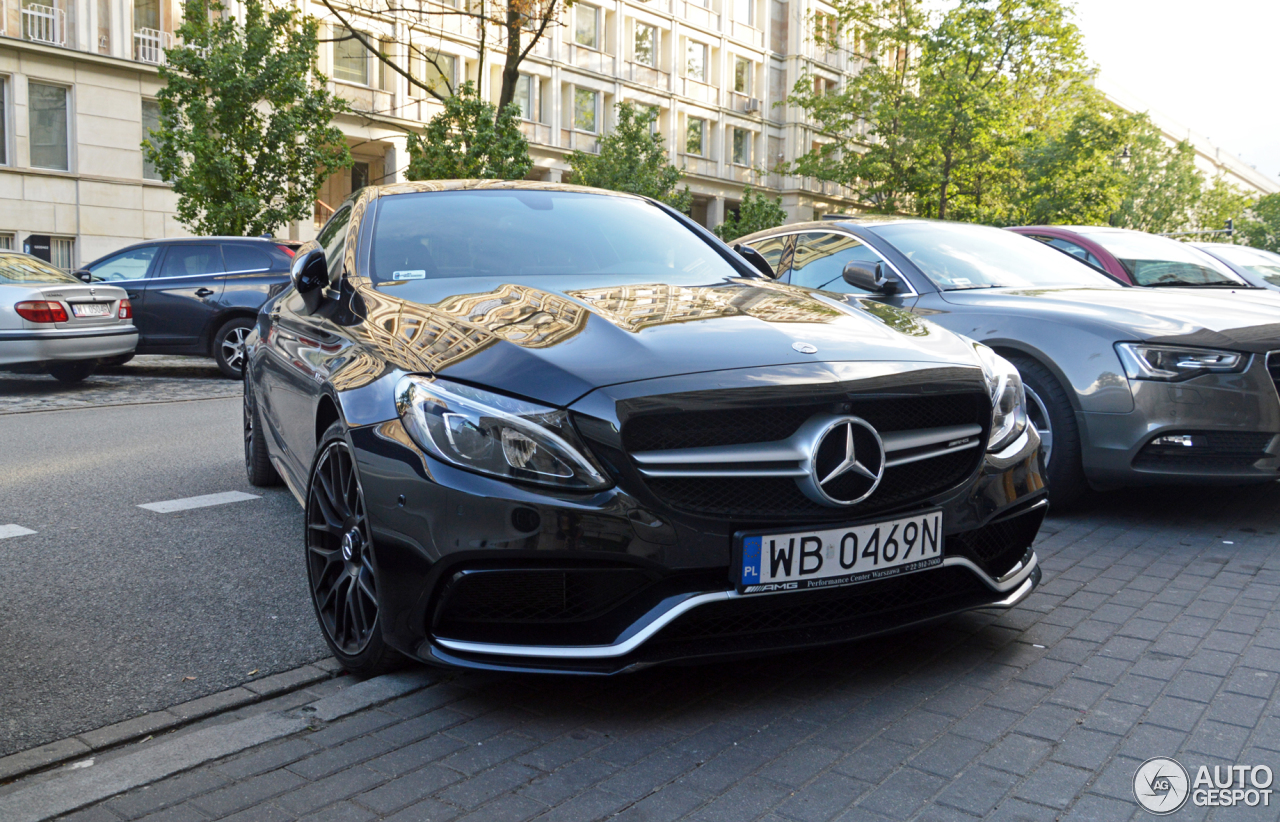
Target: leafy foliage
1164,184
633,159
470,139
756,213
1221,202
246,134
1261,226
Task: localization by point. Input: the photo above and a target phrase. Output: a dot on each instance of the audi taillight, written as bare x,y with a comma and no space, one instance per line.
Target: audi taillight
126,310
41,311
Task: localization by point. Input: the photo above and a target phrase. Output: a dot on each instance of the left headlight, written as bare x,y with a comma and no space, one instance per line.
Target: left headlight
1172,364
1008,401
496,435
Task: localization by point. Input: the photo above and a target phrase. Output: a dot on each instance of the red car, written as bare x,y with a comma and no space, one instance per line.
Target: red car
1136,258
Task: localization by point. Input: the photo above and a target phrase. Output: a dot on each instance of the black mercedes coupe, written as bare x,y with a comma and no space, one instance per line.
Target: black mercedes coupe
546,428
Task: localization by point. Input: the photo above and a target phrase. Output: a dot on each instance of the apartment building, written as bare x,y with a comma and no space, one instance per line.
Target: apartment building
78,80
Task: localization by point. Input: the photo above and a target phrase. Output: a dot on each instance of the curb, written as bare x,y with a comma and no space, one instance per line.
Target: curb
24,763
74,789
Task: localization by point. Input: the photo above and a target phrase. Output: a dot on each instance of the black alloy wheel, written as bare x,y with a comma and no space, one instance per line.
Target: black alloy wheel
229,346
340,567
257,465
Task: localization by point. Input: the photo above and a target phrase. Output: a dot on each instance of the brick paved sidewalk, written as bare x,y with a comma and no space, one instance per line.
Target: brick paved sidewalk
148,378
1156,633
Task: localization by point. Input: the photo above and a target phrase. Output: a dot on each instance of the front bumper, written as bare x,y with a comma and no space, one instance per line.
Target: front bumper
433,525
24,346
1233,421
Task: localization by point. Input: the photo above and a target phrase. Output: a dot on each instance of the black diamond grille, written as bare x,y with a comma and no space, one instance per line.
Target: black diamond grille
1220,450
540,595
998,546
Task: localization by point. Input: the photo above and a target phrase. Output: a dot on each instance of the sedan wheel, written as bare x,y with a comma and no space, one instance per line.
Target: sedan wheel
1038,416
340,568
229,346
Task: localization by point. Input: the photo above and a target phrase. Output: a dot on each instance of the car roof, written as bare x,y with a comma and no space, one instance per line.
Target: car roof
422,186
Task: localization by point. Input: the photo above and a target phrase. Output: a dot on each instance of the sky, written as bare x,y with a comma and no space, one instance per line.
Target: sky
1211,66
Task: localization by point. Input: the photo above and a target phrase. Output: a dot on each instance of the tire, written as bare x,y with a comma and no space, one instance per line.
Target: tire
72,372
341,573
114,362
1049,409
257,465
227,346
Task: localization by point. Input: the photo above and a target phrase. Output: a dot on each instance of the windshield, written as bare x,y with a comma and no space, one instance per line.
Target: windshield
435,235
19,269
957,256
1154,260
1263,263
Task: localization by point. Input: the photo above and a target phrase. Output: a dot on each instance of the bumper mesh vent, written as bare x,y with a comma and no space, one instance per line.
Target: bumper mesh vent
995,548
540,595
1211,450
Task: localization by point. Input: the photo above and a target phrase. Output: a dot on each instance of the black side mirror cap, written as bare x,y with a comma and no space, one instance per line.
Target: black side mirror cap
875,278
310,274
757,259
84,275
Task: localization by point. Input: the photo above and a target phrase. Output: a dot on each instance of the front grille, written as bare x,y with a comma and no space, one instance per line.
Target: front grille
996,547
923,593
778,498
698,429
540,595
1210,451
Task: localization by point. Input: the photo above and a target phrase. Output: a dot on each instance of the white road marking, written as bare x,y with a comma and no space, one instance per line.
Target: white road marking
12,530
169,506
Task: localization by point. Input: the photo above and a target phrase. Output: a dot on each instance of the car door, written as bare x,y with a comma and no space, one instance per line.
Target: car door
183,292
819,258
129,270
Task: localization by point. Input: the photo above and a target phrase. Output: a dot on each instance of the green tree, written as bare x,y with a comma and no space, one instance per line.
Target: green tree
246,134
756,213
1260,228
1078,177
470,139
1221,202
633,159
1164,186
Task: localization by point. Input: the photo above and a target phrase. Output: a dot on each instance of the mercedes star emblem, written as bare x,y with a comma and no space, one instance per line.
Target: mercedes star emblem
847,463
805,348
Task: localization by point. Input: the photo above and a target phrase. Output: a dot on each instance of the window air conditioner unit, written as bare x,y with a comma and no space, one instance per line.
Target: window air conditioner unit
752,105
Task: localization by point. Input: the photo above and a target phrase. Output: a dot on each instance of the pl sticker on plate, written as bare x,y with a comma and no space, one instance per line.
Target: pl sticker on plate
417,274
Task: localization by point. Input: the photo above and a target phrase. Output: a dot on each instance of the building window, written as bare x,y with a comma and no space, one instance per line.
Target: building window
350,59
696,61
742,75
744,11
584,110
741,147
49,143
359,176
62,252
438,72
6,241
150,122
586,26
654,114
695,139
646,45
4,123
526,98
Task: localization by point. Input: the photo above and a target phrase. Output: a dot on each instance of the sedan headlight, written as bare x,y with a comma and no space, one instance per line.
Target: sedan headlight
1008,401
1172,364
496,435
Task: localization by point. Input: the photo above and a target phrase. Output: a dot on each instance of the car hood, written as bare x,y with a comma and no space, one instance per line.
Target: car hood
1235,320
555,339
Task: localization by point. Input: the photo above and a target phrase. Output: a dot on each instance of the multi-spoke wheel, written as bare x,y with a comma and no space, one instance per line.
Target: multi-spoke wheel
1050,411
1038,416
229,346
340,562
257,465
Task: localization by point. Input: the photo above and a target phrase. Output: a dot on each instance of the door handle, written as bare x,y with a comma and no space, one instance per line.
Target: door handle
133,295
203,292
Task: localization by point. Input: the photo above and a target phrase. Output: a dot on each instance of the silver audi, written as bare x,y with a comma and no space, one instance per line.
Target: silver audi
52,322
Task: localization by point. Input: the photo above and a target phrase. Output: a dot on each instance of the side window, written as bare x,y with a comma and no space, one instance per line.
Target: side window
192,260
130,265
820,259
243,258
1077,251
331,239
771,249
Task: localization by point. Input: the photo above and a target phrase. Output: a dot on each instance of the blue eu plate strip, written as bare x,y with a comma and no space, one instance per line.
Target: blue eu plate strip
750,560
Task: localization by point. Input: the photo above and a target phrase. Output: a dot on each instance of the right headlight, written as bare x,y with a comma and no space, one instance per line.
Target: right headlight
1008,400
1169,363
496,435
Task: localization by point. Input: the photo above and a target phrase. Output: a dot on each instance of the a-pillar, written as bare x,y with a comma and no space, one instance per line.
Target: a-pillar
715,211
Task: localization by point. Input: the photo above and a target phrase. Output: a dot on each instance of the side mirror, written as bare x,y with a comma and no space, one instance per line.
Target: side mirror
84,275
872,277
757,259
310,274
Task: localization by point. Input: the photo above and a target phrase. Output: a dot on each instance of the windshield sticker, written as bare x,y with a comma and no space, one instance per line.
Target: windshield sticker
417,274
961,281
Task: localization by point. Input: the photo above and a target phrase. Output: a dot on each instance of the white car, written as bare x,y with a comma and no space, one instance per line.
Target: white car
51,321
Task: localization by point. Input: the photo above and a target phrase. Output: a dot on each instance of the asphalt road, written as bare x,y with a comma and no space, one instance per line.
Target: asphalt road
108,609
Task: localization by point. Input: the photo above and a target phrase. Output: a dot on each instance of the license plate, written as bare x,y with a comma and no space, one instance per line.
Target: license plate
91,309
803,560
